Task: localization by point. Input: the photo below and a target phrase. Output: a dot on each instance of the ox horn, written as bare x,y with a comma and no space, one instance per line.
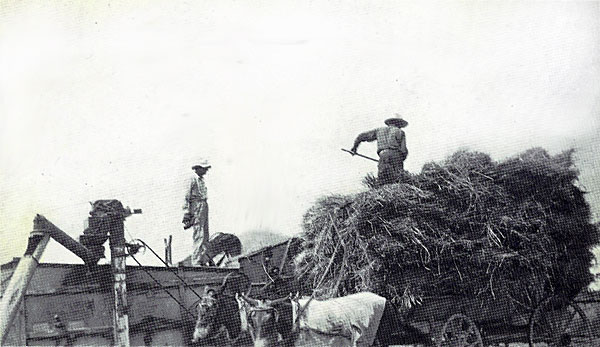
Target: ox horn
249,287
249,300
222,288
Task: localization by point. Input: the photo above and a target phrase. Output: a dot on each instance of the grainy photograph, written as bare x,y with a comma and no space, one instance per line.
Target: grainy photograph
300,173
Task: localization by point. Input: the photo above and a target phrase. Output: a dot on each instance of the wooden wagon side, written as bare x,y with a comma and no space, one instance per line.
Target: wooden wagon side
453,320
442,318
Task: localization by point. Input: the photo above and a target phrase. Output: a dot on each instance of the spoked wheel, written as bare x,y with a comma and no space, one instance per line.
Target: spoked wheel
460,331
559,322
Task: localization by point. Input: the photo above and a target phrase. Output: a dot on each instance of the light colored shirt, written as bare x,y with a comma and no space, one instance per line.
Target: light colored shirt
196,192
387,138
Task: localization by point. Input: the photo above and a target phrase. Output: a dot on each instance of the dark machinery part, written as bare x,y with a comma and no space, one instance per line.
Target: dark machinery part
106,217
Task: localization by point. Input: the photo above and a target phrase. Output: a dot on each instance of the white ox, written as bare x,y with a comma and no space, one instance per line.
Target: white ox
352,320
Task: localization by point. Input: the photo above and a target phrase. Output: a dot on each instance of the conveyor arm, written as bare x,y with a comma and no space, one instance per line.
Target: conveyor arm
38,240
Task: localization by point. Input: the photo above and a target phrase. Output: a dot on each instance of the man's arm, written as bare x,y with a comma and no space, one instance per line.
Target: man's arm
188,195
187,208
401,138
367,136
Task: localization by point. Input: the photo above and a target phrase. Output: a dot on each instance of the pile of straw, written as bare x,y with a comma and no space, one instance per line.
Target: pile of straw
465,226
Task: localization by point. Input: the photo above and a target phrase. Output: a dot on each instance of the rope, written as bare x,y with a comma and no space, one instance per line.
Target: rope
162,287
169,267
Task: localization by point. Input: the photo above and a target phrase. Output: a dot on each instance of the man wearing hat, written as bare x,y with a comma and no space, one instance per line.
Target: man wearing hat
196,213
391,148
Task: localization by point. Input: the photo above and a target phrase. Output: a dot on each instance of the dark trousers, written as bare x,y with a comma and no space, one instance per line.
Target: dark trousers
391,166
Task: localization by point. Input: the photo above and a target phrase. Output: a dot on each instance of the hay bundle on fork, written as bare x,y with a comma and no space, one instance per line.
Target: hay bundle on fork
467,226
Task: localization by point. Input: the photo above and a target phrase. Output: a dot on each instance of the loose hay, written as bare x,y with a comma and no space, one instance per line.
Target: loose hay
465,226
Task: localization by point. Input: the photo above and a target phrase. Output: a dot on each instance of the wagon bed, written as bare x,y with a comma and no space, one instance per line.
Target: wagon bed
453,320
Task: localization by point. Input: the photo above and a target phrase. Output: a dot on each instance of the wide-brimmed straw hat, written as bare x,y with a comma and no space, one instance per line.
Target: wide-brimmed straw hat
203,163
397,121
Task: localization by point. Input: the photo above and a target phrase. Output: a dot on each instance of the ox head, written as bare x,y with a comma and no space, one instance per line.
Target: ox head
207,310
217,314
262,320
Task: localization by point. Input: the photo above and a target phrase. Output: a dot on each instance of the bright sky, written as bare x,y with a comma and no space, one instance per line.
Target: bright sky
118,99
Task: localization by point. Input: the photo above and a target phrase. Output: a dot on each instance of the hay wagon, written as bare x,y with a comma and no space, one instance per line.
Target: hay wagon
453,320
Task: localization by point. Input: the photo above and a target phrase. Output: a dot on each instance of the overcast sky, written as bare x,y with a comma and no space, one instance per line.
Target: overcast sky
102,100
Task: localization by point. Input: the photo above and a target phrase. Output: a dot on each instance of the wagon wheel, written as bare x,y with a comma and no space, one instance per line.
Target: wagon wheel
460,331
559,322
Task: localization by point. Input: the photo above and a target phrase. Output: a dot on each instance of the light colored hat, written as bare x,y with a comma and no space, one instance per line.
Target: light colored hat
203,163
397,121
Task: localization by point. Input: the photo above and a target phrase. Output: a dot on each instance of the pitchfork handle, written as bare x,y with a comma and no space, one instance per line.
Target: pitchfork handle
360,155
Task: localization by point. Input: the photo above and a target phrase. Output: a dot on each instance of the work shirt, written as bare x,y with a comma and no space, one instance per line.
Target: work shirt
387,138
196,192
